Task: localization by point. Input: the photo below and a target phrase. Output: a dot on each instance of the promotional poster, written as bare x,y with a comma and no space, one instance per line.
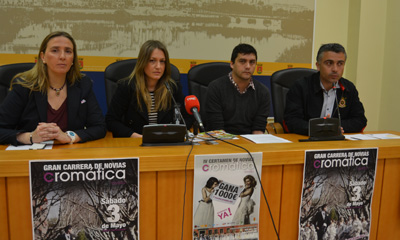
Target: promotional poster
226,196
85,199
337,194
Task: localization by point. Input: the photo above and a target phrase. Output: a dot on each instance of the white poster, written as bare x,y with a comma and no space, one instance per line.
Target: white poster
85,199
337,194
226,196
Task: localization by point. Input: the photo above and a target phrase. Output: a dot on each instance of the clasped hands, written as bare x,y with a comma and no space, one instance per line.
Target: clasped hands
46,132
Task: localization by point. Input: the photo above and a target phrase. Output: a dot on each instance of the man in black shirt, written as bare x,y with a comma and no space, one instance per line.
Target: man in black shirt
236,102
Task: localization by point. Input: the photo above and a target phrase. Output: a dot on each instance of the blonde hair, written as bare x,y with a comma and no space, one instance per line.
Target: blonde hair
161,94
37,79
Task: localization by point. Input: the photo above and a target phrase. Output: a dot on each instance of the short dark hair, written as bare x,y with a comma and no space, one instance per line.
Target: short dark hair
68,227
244,49
211,181
330,47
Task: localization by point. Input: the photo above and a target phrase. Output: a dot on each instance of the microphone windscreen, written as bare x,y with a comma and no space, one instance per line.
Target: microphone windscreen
191,101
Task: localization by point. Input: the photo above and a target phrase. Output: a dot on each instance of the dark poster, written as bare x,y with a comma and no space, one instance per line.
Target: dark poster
337,194
85,199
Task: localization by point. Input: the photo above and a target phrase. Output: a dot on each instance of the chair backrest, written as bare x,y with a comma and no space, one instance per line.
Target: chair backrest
121,69
281,81
201,75
7,72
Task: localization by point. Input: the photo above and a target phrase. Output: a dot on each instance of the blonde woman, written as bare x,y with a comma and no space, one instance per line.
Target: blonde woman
53,100
142,98
246,205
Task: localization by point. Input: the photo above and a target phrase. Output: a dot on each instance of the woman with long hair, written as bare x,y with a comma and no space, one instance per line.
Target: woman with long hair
246,205
143,98
53,100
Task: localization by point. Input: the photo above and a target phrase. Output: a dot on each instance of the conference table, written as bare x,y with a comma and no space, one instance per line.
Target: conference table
162,183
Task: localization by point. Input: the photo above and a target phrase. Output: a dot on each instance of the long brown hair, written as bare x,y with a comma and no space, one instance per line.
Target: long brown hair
37,79
161,95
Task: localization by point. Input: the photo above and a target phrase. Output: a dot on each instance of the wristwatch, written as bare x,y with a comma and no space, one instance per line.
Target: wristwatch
72,135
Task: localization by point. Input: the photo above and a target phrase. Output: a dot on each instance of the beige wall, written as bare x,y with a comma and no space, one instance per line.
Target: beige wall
390,98
331,23
369,30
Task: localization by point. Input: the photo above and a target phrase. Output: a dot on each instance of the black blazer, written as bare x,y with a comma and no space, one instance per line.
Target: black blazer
22,110
305,99
64,237
124,118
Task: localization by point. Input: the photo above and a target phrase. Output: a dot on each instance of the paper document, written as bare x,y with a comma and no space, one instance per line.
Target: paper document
49,145
372,136
265,138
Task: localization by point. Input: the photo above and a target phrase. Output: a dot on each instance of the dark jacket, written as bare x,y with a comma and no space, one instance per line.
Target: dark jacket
305,99
124,117
321,224
22,111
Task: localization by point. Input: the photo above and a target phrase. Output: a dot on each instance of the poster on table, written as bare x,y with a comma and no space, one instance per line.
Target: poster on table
226,196
85,199
337,192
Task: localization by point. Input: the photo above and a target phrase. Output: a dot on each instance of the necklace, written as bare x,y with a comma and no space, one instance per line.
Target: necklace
58,90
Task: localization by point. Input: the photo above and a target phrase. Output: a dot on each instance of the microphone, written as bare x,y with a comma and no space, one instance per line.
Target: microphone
177,113
337,107
192,106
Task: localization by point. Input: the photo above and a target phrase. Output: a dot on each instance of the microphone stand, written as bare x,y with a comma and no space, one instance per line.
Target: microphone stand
337,108
176,114
195,128
177,111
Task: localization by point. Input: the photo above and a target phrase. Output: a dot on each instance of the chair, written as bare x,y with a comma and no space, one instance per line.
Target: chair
201,75
121,69
7,72
281,81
